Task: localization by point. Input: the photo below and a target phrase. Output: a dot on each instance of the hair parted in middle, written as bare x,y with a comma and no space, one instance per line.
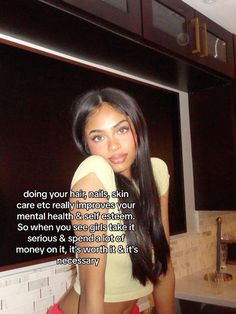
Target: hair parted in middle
148,234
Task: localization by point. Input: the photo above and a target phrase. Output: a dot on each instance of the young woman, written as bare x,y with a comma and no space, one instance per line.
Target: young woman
129,229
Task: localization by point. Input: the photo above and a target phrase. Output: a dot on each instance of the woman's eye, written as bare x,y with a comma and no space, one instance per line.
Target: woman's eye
123,130
97,138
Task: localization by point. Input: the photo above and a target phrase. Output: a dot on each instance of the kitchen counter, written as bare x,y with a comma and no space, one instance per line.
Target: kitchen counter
195,288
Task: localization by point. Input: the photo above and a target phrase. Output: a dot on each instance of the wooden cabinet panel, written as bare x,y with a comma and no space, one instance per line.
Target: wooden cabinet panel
216,46
212,120
234,41
167,23
170,26
175,26
124,13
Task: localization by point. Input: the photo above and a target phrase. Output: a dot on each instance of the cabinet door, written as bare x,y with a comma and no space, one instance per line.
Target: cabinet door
177,27
212,121
124,13
216,46
168,23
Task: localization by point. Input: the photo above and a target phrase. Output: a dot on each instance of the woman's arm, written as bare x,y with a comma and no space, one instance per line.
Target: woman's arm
164,291
91,277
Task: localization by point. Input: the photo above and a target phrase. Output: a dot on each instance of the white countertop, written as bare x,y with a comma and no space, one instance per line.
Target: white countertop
195,288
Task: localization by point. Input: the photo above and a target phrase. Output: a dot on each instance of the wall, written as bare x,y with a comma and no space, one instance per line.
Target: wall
197,251
35,290
32,292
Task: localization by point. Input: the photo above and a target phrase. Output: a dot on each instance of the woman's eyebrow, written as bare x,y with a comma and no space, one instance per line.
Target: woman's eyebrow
113,127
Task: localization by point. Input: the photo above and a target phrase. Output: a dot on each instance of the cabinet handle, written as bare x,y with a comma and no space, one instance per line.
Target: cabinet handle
195,22
205,42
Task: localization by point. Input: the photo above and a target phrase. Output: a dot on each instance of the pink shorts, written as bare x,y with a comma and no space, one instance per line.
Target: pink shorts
135,310
55,310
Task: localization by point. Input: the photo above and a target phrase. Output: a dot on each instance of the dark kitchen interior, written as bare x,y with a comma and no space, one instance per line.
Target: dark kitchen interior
165,41
37,148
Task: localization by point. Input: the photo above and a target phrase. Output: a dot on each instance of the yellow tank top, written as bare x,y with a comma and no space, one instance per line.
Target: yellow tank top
119,283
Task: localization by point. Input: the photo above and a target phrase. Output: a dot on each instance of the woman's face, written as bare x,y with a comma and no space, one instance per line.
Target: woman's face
110,134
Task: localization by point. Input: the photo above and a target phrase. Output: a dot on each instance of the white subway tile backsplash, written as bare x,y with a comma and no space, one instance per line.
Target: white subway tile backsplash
58,296
37,274
3,283
13,301
14,289
26,308
43,303
63,269
25,277
42,311
200,249
53,289
12,281
37,284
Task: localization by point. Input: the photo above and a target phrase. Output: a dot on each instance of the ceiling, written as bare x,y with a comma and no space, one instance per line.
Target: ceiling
223,12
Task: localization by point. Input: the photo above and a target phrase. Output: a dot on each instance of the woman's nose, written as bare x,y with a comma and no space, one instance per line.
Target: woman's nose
114,145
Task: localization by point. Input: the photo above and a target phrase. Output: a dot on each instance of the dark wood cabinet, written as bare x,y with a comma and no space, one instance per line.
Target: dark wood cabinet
234,39
169,26
212,121
124,13
175,26
167,23
216,46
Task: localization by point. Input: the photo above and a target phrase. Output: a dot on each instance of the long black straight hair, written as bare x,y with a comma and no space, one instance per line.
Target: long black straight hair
148,235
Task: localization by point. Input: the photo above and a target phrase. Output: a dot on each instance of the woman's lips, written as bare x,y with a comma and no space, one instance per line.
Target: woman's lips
118,159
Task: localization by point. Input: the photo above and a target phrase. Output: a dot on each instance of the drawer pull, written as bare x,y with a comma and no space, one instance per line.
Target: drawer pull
205,41
195,22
